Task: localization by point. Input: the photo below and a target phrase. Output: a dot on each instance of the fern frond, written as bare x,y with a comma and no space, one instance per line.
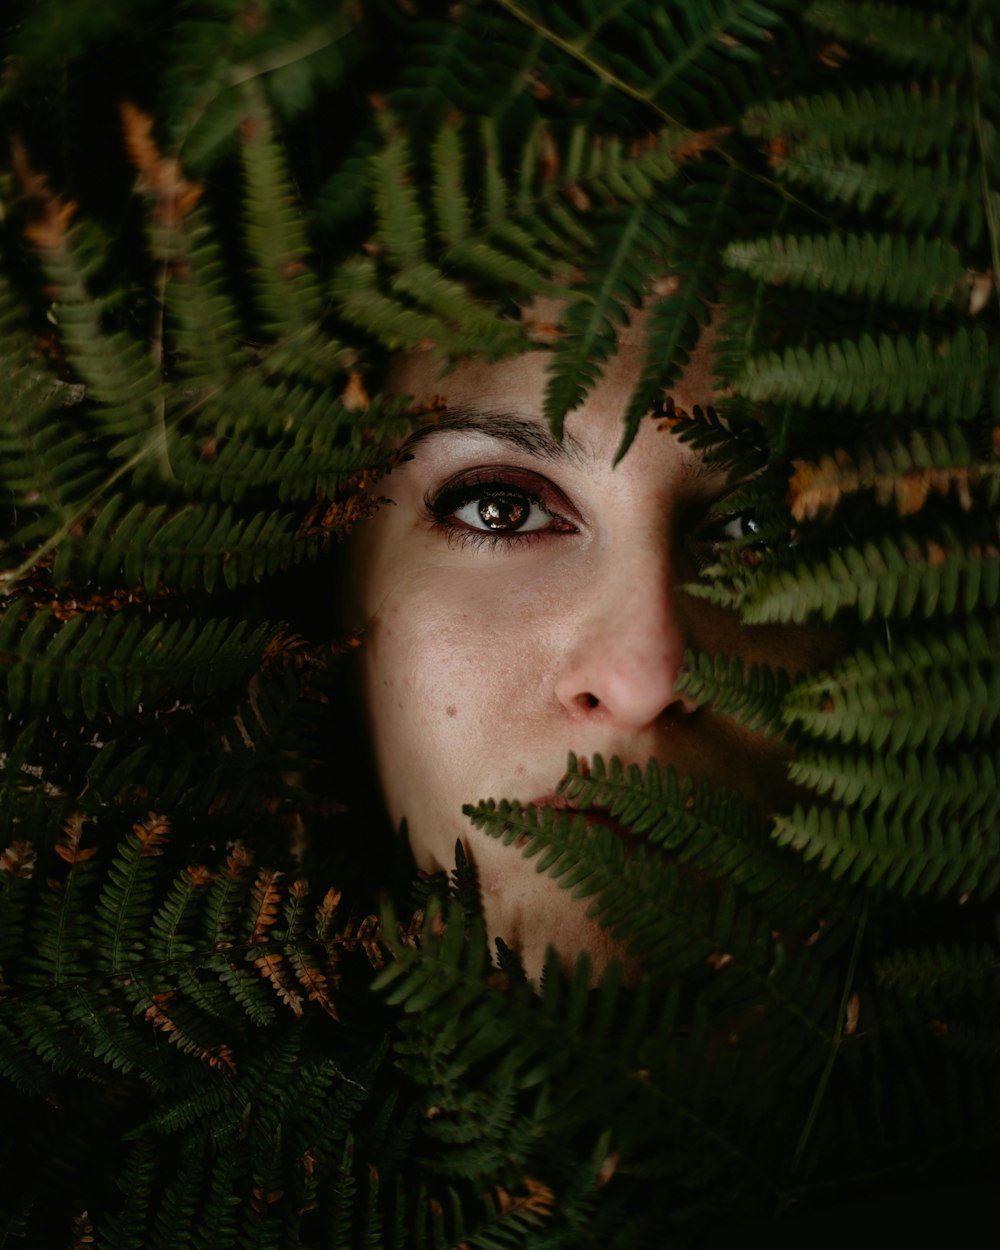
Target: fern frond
939,857
220,922
676,320
590,325
184,1027
121,377
427,285
902,35
295,54
401,223
929,198
127,1227
712,829
20,1066
942,971
396,324
173,1219
906,474
217,1226
196,545
670,921
946,380
881,117
918,783
893,577
288,294
171,934
915,273
120,915
46,465
675,59
203,324
90,662
754,699
445,68
62,924
939,688
98,1019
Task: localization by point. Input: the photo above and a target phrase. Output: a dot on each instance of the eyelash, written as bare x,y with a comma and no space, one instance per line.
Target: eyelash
453,496
708,542
706,539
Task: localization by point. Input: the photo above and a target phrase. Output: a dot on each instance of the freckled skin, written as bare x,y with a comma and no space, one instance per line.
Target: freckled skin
570,641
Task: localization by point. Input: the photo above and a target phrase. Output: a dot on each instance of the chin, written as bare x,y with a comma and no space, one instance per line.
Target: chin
535,916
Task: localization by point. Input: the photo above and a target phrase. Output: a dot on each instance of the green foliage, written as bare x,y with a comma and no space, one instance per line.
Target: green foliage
808,1000
915,274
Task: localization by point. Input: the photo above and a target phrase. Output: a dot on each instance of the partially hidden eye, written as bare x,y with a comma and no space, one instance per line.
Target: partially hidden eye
503,512
733,527
719,532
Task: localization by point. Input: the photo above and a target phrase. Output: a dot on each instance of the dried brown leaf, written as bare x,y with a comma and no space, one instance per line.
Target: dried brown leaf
269,966
699,143
19,860
853,1011
161,178
239,858
267,897
49,225
68,844
152,833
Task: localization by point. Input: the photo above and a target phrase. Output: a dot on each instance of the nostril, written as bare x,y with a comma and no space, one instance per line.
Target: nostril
589,700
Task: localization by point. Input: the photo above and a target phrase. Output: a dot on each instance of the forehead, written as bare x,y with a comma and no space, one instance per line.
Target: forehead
505,400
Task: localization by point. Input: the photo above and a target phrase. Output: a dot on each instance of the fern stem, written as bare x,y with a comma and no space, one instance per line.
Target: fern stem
10,577
606,75
835,1041
989,200
156,350
316,40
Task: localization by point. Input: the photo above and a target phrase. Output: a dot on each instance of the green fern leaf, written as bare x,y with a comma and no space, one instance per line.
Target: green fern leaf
127,1228
900,854
753,698
675,322
878,581
401,228
120,916
62,924
203,323
47,466
120,375
946,380
942,971
917,783
941,688
97,661
887,118
916,274
287,292
172,1221
901,35
940,197
590,326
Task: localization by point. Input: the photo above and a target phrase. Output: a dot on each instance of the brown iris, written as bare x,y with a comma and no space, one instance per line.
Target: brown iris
503,512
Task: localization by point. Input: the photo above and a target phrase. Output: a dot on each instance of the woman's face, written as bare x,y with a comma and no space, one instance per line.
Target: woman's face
521,598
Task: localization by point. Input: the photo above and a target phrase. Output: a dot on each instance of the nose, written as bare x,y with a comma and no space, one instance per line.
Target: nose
620,667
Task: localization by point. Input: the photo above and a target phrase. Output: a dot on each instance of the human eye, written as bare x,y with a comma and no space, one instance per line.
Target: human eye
498,505
737,531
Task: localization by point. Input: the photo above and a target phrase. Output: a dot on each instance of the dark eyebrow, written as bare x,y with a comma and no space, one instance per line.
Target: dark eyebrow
524,433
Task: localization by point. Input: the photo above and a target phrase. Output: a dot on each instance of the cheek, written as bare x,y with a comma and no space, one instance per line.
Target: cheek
452,683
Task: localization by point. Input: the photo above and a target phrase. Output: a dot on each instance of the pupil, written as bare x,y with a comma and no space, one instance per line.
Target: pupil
502,513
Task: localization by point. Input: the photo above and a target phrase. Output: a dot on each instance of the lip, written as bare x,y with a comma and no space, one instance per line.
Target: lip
593,816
